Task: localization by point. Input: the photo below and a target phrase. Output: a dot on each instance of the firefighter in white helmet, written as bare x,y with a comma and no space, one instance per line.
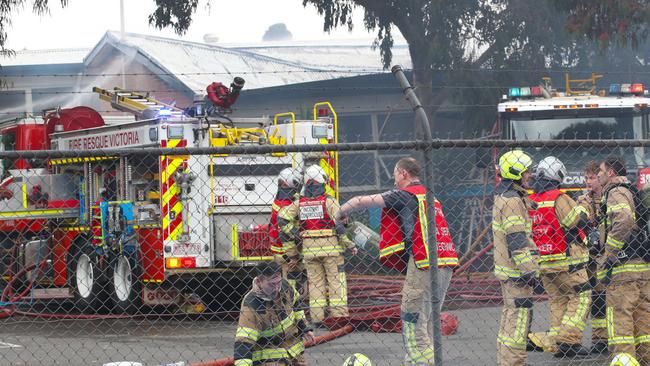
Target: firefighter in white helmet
289,184
624,359
323,244
558,227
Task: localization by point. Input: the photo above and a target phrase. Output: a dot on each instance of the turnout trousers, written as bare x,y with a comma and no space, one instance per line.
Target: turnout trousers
628,319
328,288
416,310
515,324
569,302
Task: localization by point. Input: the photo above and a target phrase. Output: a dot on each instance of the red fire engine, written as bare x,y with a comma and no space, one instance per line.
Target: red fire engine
125,231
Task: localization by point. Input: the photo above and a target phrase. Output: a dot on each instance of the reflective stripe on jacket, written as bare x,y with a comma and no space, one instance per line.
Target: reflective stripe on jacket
274,231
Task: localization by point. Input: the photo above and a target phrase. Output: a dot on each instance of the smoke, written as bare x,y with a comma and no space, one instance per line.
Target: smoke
277,32
75,91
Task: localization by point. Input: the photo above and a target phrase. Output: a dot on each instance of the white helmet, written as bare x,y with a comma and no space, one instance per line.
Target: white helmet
316,174
290,177
551,168
357,359
624,359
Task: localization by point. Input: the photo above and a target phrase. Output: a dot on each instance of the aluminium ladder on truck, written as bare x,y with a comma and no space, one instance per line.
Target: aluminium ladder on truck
135,102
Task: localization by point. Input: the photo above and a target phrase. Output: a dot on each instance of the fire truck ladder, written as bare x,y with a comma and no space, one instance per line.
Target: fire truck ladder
134,102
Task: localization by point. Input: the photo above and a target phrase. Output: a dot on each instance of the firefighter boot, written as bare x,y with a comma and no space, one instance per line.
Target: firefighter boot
599,348
566,350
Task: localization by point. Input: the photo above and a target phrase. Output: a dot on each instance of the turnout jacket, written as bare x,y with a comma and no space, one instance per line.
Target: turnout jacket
618,221
556,233
277,245
270,329
510,220
313,219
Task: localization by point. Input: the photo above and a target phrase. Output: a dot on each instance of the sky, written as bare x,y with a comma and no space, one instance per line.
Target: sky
83,22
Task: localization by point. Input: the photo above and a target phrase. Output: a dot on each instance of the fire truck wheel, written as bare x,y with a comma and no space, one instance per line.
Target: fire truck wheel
87,281
126,288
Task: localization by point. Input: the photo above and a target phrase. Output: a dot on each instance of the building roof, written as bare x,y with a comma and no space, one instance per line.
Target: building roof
262,65
45,57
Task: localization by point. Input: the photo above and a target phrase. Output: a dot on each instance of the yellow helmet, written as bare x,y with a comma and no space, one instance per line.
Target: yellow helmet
357,359
513,164
624,359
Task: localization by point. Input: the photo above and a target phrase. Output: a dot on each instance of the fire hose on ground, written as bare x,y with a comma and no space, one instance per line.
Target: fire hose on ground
229,361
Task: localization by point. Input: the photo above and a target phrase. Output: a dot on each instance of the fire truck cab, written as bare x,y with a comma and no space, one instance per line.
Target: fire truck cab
581,111
141,228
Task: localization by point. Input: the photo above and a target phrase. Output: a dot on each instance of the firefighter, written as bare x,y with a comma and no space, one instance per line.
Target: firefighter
590,200
403,246
271,327
288,192
625,271
515,256
323,243
558,231
357,359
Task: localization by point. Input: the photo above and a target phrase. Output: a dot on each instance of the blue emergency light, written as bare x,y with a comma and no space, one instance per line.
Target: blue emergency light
614,88
514,92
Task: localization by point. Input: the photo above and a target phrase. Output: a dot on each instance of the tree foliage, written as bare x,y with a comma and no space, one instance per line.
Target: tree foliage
620,22
173,13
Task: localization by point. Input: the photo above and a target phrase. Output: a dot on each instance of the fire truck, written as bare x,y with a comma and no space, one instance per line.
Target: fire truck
581,111
135,229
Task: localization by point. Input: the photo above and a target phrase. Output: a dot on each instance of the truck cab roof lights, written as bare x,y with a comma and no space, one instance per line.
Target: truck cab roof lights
514,93
525,91
615,89
620,89
637,89
536,91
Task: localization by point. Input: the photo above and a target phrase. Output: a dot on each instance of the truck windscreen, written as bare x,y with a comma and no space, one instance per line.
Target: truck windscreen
626,126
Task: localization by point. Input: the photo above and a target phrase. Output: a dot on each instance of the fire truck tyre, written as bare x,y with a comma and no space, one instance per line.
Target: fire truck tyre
126,285
87,281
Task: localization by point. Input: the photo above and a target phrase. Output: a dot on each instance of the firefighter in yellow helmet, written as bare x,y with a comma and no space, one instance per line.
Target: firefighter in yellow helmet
515,256
357,359
559,224
626,269
323,244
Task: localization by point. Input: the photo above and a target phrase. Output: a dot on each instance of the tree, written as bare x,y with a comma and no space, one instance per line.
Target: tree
39,7
621,22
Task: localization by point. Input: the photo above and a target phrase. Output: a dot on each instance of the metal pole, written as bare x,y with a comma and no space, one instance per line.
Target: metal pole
427,153
122,36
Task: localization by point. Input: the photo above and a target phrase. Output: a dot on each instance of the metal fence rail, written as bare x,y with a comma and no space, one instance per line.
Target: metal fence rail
146,255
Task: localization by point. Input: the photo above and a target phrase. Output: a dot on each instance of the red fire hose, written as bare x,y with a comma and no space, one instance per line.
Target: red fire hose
229,361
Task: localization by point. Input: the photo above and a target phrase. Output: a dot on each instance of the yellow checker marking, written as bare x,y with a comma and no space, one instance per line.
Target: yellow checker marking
178,207
173,166
171,191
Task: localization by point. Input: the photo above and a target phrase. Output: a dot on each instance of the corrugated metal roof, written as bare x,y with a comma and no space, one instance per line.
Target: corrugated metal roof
45,57
261,65
356,58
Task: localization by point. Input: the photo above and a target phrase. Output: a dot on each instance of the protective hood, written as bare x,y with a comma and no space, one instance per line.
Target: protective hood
286,193
542,184
314,190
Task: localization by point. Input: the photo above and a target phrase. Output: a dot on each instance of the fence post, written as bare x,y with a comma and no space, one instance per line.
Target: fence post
427,158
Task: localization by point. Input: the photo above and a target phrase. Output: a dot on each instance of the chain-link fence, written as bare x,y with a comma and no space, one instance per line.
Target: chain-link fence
152,255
